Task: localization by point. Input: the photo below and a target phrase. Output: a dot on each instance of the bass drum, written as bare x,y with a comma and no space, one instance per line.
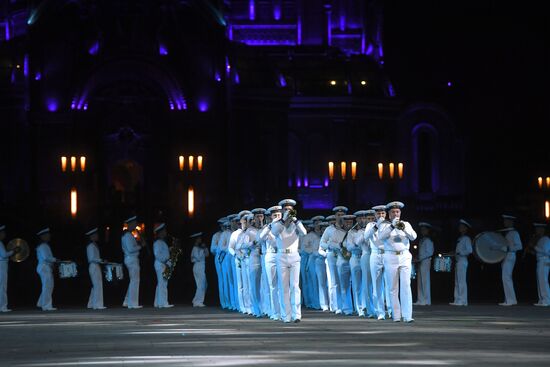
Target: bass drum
489,247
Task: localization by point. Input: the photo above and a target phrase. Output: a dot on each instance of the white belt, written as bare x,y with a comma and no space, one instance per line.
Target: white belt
286,251
378,251
397,252
272,250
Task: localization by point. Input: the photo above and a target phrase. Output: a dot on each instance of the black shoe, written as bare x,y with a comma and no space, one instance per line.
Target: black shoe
297,321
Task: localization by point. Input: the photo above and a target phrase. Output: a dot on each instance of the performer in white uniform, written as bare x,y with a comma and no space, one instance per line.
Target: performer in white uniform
265,298
4,258
228,263
321,270
425,253
380,291
310,244
95,301
397,235
234,249
214,243
287,231
542,250
463,249
131,250
514,244
329,247
162,260
252,247
46,261
353,245
198,258
343,267
271,262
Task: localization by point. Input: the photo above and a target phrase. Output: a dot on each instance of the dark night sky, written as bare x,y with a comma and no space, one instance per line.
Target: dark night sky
497,57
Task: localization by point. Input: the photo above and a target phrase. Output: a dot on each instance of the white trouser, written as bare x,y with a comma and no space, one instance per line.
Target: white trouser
229,281
303,279
333,283
95,300
288,269
239,263
344,276
245,265
255,282
423,282
200,281
273,283
366,284
461,286
46,277
507,280
132,294
543,288
311,270
219,273
398,273
356,284
265,298
321,275
3,285
161,292
379,291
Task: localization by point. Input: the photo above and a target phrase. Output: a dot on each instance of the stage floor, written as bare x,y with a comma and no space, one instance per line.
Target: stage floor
185,336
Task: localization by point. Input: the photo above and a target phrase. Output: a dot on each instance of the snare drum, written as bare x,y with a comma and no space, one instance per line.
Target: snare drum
442,264
67,269
113,271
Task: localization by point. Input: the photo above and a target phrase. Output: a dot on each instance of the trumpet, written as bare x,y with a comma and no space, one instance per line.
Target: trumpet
400,225
291,213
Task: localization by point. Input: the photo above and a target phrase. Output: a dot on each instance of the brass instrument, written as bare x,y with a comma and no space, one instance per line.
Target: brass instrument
400,225
22,252
345,253
175,252
291,213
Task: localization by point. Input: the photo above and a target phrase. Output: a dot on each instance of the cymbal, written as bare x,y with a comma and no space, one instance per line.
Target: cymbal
24,251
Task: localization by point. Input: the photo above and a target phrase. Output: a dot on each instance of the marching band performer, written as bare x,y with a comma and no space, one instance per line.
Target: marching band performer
264,284
310,243
463,249
425,253
328,247
287,231
397,235
353,245
162,261
131,250
198,258
542,250
343,267
4,258
366,275
254,260
234,250
46,260
380,291
95,301
514,244
321,267
265,234
229,263
214,243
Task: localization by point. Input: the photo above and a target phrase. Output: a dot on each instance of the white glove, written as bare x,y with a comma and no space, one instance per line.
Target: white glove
380,221
394,221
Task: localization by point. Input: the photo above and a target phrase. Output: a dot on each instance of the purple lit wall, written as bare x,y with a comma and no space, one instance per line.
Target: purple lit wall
203,106
251,10
51,104
277,10
94,48
163,50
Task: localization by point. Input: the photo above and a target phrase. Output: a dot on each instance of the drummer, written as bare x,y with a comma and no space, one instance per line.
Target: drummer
4,257
463,249
507,265
46,260
94,260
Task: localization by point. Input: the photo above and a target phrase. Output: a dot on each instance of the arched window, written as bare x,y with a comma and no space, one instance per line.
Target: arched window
425,170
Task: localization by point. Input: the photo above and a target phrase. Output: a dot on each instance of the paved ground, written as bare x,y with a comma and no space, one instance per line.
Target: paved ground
184,336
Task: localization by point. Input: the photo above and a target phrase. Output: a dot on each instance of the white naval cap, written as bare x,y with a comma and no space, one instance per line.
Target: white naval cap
541,225
340,208
195,235
330,217
92,231
2,227
226,223
243,213
43,231
131,219
507,216
348,217
465,223
425,224
379,208
395,205
317,217
222,220
287,202
249,216
258,211
275,208
232,217
370,212
324,224
307,222
159,227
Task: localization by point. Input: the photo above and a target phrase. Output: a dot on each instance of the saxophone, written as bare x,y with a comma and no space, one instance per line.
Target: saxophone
175,252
